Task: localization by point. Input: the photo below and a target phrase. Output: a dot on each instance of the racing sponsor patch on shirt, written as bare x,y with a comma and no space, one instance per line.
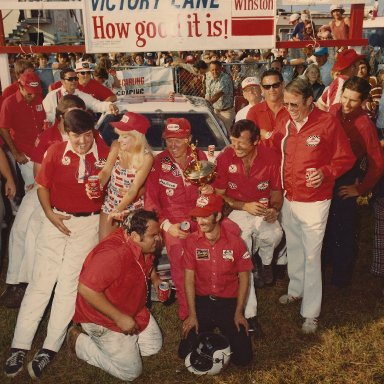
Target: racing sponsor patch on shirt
232,186
263,185
202,254
166,167
39,107
167,184
202,201
228,254
268,135
246,255
313,140
232,168
176,172
169,191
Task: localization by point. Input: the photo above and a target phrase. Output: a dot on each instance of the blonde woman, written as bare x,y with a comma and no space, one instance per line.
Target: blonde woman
312,75
128,164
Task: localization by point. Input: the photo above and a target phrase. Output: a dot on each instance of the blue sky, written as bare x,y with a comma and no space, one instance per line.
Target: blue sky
323,8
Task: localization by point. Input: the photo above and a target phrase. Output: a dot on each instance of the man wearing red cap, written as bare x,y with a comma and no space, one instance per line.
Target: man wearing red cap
217,270
172,196
21,120
346,66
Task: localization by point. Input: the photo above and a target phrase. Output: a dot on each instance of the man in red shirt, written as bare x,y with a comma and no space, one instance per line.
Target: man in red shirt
339,248
68,232
172,196
315,151
21,120
112,293
217,269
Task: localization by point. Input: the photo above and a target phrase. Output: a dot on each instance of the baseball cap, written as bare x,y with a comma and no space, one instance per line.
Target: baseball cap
190,59
346,58
206,205
336,6
150,56
249,81
132,122
177,128
294,17
321,51
83,66
31,82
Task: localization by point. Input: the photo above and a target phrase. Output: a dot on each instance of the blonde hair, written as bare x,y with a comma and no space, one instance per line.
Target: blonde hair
140,148
313,66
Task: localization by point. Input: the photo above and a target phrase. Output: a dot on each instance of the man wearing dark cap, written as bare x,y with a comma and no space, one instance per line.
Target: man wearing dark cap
325,65
172,196
21,120
346,66
217,270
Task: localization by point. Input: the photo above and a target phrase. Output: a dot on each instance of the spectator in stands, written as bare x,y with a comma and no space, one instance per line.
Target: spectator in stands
325,65
62,62
44,71
340,24
150,59
219,92
138,59
252,93
312,75
298,27
324,32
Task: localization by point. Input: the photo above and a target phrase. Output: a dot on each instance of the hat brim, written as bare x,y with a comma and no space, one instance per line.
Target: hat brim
250,85
200,212
84,70
342,67
176,135
123,127
33,90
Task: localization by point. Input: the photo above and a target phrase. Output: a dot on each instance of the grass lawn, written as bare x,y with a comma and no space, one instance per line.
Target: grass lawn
347,349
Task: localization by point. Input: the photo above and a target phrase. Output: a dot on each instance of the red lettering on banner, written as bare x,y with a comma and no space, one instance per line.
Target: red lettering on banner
109,30
132,81
252,27
253,5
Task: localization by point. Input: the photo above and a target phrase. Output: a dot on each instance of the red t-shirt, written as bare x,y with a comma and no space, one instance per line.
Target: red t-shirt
44,141
23,120
264,175
117,268
217,266
59,171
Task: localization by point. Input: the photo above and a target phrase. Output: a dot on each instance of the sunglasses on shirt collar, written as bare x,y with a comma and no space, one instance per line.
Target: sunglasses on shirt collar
72,78
269,86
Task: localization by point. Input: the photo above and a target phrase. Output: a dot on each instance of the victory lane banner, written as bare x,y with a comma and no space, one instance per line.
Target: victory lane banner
178,25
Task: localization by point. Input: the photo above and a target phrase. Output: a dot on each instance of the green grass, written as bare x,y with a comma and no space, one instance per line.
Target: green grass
347,349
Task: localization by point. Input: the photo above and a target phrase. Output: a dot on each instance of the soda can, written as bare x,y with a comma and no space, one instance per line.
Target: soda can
211,150
185,226
99,164
94,187
164,291
264,201
308,175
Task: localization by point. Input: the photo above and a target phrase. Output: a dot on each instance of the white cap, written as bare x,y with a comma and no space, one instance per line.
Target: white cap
249,81
336,6
294,17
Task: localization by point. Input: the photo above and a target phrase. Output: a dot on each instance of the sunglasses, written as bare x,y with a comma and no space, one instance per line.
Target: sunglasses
291,105
269,86
85,73
72,78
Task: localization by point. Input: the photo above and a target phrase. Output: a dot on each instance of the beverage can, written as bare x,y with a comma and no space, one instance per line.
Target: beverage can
94,186
308,175
185,226
99,164
264,201
164,291
211,150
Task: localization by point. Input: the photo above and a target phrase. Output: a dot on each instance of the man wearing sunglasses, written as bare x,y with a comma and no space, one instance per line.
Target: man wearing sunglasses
315,152
70,84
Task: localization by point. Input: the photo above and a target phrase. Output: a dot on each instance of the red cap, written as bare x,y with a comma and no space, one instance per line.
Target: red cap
132,122
31,82
190,59
346,58
177,127
206,205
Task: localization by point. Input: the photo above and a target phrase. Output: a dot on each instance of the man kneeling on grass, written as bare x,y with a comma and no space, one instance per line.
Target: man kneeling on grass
112,293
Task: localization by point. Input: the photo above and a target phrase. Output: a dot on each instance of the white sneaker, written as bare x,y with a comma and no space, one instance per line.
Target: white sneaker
287,298
310,325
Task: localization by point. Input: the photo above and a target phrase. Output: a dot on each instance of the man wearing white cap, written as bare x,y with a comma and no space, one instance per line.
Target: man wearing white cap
252,93
297,33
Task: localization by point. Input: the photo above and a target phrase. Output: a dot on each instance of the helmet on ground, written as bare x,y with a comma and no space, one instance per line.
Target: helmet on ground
210,354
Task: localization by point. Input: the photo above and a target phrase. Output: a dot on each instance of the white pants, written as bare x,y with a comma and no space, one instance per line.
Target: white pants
116,353
26,171
59,259
304,225
22,239
227,117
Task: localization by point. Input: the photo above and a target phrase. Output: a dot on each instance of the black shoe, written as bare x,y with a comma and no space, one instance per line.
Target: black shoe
13,295
255,328
267,274
39,362
258,281
15,362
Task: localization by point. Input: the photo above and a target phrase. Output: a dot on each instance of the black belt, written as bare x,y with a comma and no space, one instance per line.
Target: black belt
78,214
216,298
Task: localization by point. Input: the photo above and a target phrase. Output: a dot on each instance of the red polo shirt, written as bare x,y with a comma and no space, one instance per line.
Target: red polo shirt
59,173
23,120
217,266
44,141
264,175
117,268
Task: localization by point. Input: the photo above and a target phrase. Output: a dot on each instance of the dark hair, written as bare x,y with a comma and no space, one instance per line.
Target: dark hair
137,221
271,72
366,62
245,125
62,54
78,121
69,101
88,57
42,55
216,62
300,86
358,85
64,71
200,65
101,72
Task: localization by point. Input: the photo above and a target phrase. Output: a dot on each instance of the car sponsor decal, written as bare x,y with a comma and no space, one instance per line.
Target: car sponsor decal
202,254
167,184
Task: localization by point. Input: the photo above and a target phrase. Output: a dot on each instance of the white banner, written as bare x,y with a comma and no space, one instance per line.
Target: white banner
145,80
320,2
178,25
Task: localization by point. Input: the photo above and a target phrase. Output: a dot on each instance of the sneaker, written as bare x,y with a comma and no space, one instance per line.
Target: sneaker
267,274
287,299
39,362
310,325
15,362
72,334
13,295
255,328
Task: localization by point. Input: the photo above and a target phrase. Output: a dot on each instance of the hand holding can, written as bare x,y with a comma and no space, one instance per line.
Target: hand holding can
93,187
164,291
308,176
